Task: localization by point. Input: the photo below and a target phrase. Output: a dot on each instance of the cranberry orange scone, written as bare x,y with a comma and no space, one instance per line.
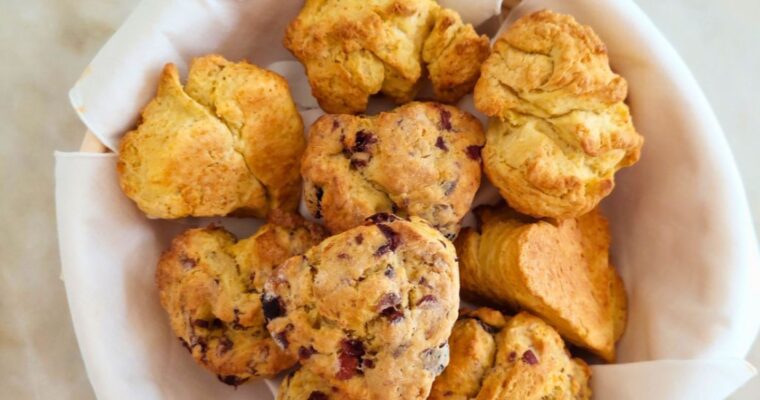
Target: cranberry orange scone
369,310
210,285
421,159
352,49
230,141
494,358
559,128
559,271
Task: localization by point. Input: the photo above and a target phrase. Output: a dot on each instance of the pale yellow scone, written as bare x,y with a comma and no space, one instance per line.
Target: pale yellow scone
210,284
559,129
496,358
353,49
559,271
229,142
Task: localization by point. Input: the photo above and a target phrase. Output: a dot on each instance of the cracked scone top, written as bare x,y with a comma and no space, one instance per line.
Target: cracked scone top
558,270
230,141
421,159
369,310
522,357
210,286
559,129
355,48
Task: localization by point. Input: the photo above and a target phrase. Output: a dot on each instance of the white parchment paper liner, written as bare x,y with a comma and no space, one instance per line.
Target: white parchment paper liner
682,234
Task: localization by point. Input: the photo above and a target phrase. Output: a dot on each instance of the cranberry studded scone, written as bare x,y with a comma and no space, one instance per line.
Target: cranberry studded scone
559,129
559,271
369,310
230,141
522,357
421,159
352,49
210,285
303,384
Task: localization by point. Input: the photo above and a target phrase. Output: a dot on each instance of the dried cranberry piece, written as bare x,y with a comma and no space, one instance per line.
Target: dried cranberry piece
529,358
428,298
187,262
216,323
350,358
445,119
201,323
441,144
380,218
362,141
394,240
473,152
318,193
232,380
335,124
393,314
389,307
317,395
356,163
305,352
512,356
389,271
359,238
273,307
369,364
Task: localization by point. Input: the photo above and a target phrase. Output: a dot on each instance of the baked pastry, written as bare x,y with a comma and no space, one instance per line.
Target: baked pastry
559,271
303,384
210,284
352,49
369,310
559,129
230,141
421,159
494,358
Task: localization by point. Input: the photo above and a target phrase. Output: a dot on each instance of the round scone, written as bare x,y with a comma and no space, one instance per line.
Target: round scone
303,384
559,129
369,310
495,358
421,159
210,285
352,49
230,141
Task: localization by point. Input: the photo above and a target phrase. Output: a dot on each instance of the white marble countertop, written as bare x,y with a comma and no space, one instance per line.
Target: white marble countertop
46,45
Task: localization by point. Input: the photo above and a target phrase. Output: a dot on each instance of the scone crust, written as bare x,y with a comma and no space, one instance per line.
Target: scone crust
421,159
558,270
229,142
210,285
353,49
559,128
369,310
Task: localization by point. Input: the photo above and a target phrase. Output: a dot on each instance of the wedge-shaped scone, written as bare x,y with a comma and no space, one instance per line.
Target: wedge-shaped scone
353,49
496,358
421,159
369,310
559,128
210,285
230,141
560,271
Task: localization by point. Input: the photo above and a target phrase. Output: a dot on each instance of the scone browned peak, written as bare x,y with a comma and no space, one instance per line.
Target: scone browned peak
421,159
369,310
559,271
353,49
210,285
559,128
229,142
496,358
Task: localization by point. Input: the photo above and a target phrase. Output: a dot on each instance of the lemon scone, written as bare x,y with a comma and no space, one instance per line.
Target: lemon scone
210,285
421,159
352,49
559,129
369,310
559,271
522,357
230,141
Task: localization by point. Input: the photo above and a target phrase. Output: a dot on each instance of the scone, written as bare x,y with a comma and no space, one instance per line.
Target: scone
230,141
210,285
559,271
559,129
352,49
369,310
493,358
303,384
421,159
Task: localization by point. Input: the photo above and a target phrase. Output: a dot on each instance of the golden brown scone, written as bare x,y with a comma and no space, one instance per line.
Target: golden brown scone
229,142
557,270
303,384
353,49
369,310
421,159
494,358
559,129
210,286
